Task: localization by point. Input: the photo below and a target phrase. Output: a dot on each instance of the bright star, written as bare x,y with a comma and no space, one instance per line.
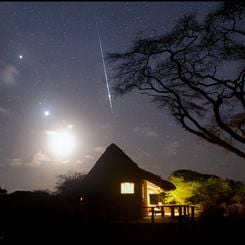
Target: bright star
46,113
20,56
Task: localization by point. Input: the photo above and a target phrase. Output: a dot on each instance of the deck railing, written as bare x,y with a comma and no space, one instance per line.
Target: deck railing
180,211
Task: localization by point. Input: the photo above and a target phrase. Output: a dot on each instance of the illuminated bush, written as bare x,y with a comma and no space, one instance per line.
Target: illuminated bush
216,196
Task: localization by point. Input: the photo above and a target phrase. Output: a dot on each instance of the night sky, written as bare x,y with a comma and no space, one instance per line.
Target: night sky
52,78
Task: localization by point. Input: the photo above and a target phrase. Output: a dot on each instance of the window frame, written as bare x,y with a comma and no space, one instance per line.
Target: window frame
127,188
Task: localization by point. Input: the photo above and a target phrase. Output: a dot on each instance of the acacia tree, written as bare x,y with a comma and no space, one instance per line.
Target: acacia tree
196,72
204,189
70,184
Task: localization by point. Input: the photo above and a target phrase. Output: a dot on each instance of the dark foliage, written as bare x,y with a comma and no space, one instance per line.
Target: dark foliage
70,184
3,191
190,175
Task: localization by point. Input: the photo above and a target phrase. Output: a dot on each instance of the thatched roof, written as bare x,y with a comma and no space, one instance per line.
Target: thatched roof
114,164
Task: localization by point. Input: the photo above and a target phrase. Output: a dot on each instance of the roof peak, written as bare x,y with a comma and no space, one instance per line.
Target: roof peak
114,157
114,165
112,145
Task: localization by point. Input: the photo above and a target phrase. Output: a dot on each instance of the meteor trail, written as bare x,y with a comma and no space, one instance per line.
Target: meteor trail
103,61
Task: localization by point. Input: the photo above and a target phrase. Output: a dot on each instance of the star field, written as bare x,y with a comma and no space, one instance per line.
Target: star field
52,77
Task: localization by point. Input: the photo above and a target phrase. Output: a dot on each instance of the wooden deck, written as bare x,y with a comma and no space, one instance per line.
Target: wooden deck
170,213
164,214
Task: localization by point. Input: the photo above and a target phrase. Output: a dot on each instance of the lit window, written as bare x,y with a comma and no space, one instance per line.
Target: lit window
127,188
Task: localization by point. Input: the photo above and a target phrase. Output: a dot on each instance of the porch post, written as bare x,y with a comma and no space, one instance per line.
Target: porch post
152,214
180,211
172,211
192,213
162,211
185,211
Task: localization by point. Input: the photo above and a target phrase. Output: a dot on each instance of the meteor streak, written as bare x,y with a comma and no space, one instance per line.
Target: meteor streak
103,61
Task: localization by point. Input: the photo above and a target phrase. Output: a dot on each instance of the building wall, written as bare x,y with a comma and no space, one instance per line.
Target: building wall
109,203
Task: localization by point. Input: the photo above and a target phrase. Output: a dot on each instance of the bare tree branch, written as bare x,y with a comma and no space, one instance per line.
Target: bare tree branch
184,71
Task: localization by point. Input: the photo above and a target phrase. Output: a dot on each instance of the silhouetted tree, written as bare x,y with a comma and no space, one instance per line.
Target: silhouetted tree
196,71
3,191
70,184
